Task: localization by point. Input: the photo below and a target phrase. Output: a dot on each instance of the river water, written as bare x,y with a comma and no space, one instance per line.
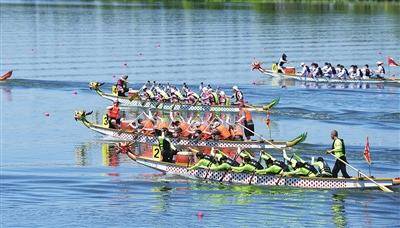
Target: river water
55,172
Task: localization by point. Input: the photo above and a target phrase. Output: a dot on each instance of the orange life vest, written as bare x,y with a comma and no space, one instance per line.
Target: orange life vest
185,129
162,124
114,112
148,124
224,132
204,135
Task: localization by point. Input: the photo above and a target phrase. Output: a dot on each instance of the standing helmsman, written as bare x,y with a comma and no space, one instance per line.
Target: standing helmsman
338,149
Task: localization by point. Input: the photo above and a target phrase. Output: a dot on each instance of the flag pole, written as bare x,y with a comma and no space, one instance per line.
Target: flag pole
369,169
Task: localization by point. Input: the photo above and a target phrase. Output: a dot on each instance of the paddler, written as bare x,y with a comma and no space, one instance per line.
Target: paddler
147,125
236,132
246,119
238,95
220,132
122,85
114,116
299,167
380,70
339,150
168,150
192,97
224,162
147,95
305,72
223,99
282,61
249,164
273,166
204,161
323,168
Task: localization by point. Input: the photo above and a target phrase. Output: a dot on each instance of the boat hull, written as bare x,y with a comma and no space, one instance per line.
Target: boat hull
264,180
125,101
128,136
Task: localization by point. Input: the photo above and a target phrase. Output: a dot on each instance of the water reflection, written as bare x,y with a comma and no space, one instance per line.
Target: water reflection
7,94
338,210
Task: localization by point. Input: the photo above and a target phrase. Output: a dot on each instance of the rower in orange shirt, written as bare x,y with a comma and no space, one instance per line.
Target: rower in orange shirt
220,132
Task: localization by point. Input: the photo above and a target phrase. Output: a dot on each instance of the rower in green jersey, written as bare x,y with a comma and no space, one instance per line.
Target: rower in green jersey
323,168
299,167
248,165
204,161
273,166
224,162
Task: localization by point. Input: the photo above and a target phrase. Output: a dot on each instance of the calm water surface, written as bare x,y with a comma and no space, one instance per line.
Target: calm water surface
55,172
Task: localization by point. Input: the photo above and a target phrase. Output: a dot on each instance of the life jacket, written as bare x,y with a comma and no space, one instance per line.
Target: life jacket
202,129
325,168
179,95
256,164
346,72
147,124
281,164
209,158
319,71
163,93
232,162
162,124
343,147
309,167
333,70
164,144
224,132
360,72
215,98
308,70
367,72
194,95
150,94
114,112
239,96
185,129
247,115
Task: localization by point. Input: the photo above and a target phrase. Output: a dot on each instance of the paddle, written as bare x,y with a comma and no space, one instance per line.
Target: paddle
120,130
383,188
254,172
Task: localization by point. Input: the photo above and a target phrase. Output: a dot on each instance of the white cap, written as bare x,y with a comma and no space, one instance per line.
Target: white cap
204,89
302,64
222,93
379,63
235,88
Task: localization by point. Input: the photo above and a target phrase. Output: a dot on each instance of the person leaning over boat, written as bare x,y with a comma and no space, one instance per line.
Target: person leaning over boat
220,131
338,149
316,71
305,72
282,61
380,71
205,161
273,166
327,70
122,85
249,164
167,149
113,115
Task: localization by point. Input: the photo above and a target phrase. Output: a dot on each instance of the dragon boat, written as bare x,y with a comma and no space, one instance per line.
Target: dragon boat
133,100
225,177
126,135
273,72
6,75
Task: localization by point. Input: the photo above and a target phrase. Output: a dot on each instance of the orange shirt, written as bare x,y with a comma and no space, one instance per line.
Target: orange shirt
185,127
224,132
148,124
114,112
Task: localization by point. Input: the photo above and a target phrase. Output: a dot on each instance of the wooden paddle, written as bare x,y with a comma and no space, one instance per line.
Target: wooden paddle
382,187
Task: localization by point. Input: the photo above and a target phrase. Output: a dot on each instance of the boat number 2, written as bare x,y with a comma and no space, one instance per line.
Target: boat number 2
156,152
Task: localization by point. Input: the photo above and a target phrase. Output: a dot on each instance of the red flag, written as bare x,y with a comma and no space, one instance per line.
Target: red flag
391,62
367,154
268,120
